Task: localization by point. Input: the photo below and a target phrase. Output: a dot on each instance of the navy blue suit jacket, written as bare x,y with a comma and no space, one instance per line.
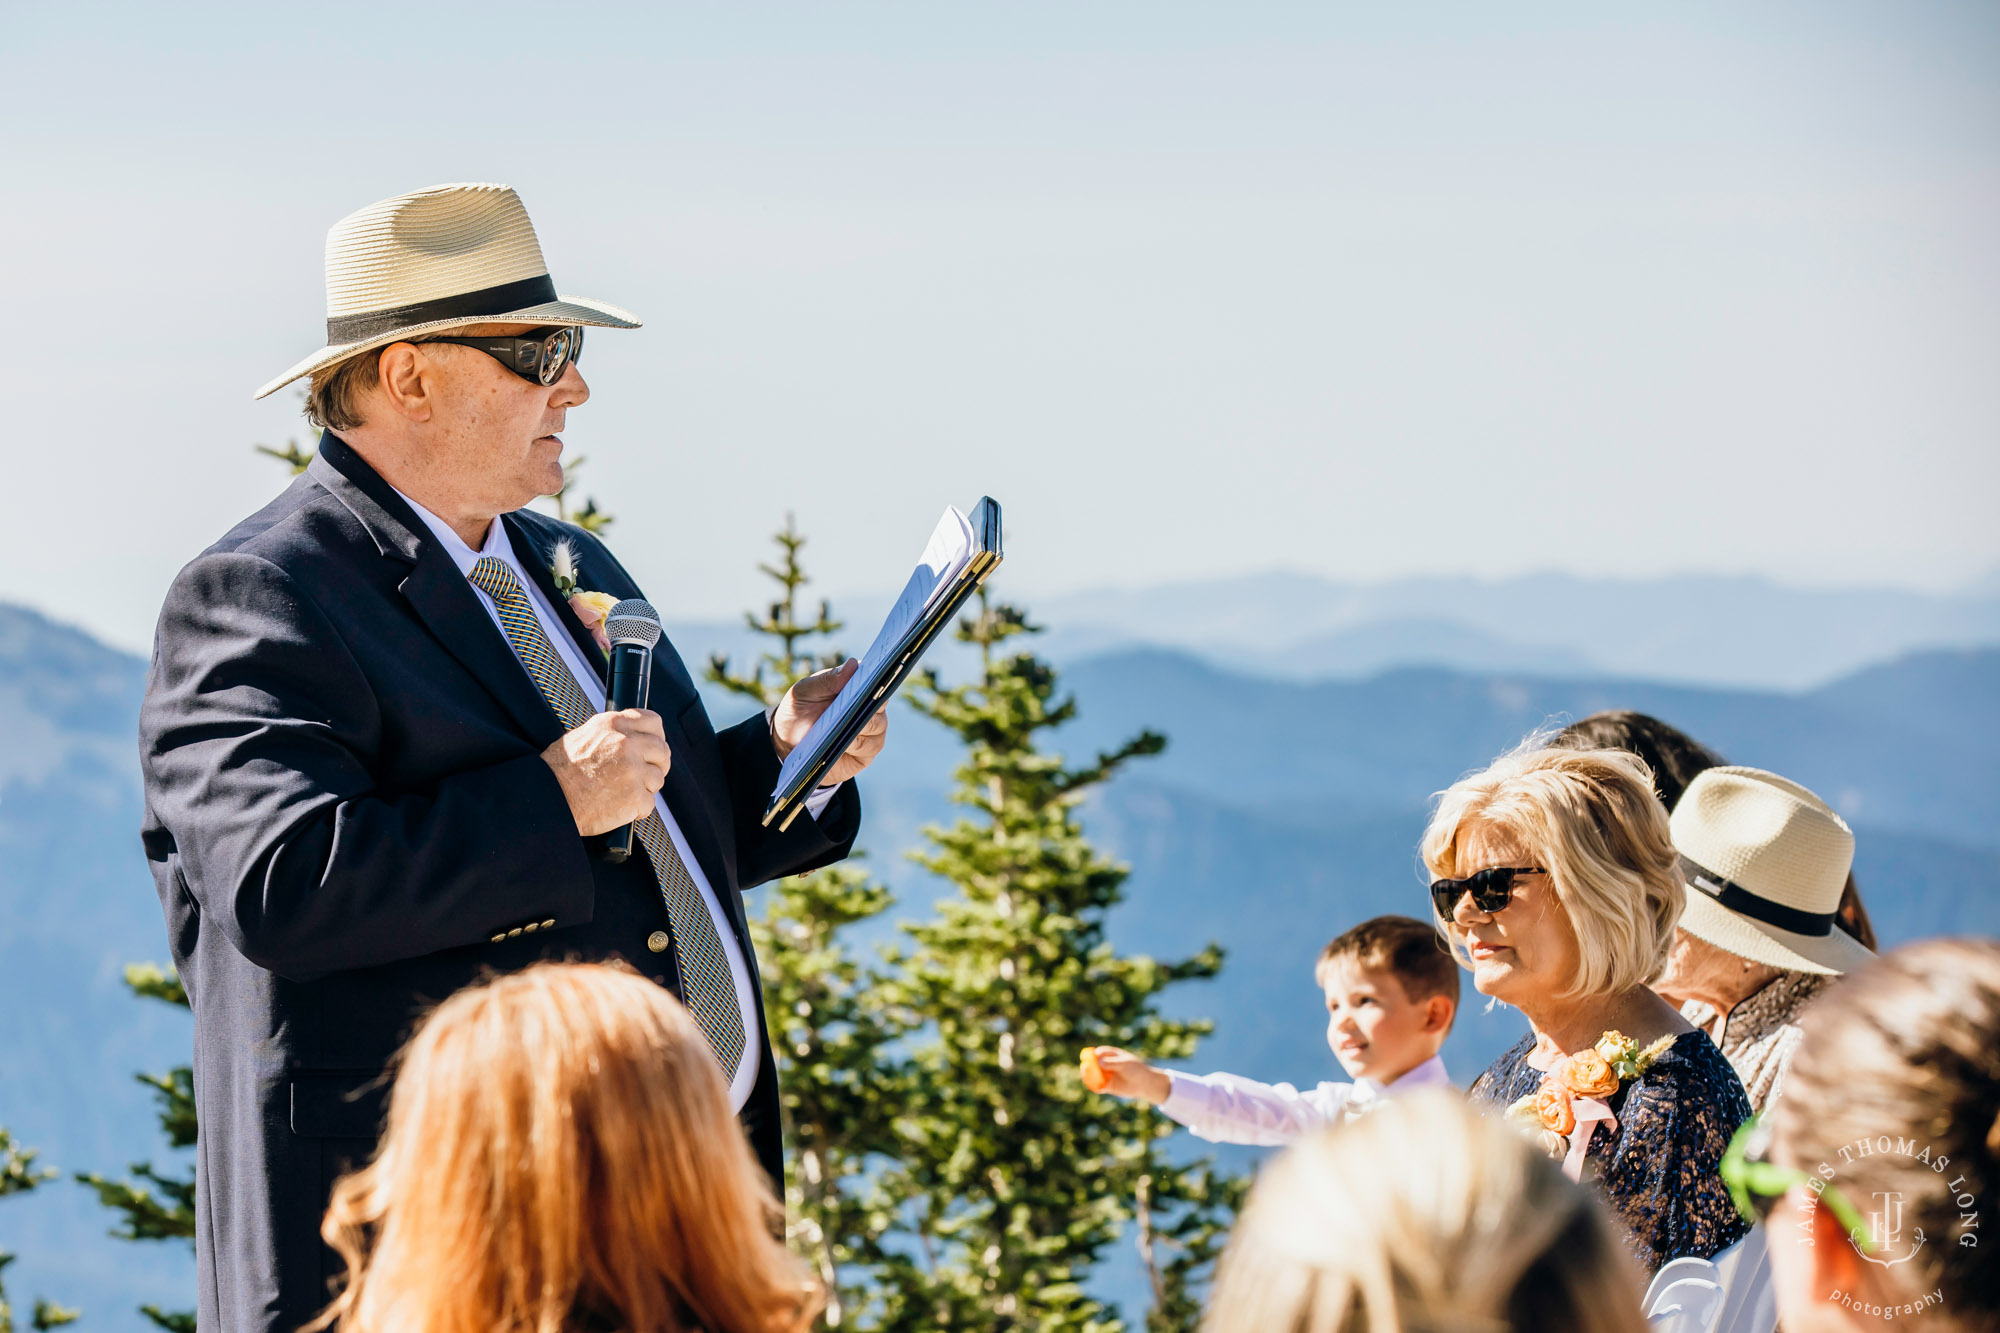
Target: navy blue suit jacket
345,803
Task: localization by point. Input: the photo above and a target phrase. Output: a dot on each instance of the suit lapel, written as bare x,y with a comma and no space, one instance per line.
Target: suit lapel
533,553
440,595
452,610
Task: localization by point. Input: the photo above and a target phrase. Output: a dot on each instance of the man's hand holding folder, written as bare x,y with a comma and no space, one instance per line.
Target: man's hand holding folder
961,552
802,706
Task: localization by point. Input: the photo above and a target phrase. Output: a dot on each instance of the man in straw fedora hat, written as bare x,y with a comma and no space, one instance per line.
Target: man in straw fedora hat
376,761
1765,861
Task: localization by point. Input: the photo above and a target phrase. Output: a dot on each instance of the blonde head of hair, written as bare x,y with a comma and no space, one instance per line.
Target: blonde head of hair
1590,818
560,1152
1428,1220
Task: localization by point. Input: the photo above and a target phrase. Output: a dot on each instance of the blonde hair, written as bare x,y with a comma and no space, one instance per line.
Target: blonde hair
1431,1219
1590,818
561,1152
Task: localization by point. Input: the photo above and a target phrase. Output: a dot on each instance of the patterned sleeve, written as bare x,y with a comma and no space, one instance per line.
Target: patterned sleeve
1661,1176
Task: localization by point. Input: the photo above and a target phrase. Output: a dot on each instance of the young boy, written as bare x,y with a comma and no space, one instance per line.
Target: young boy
1391,993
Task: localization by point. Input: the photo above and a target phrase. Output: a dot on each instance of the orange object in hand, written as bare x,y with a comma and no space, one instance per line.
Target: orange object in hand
1094,1076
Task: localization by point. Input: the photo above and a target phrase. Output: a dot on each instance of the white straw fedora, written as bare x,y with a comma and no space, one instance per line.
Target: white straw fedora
1766,862
432,259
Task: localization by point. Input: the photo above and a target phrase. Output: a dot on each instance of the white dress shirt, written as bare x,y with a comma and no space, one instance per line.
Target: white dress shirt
1224,1108
744,1077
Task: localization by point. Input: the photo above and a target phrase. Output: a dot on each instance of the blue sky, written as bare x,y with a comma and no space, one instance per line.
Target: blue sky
1192,290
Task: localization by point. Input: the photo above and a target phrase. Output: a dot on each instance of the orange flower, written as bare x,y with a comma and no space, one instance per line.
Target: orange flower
1094,1076
1553,1107
1588,1074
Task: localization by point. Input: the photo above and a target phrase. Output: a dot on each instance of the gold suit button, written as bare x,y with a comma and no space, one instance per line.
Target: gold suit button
550,924
658,941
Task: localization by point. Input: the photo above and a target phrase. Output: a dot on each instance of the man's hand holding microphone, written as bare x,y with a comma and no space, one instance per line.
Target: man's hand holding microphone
612,766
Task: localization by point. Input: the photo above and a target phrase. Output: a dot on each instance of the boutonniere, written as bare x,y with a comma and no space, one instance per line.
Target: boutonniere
1574,1092
590,607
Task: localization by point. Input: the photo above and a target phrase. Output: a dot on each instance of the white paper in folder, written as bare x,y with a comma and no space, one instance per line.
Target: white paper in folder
944,559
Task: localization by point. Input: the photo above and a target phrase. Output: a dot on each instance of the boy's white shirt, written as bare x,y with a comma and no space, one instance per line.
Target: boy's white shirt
1224,1108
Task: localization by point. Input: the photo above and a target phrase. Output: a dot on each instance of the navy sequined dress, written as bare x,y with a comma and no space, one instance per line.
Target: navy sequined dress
1659,1171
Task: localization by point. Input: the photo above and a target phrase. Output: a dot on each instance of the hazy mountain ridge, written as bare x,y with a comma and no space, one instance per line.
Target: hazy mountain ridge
1722,630
1281,812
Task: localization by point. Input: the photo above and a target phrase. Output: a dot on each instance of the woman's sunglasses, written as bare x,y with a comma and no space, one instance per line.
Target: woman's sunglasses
540,357
1756,1183
1491,889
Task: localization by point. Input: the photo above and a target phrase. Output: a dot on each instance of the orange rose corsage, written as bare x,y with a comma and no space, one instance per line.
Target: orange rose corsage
1550,1112
1553,1108
1588,1074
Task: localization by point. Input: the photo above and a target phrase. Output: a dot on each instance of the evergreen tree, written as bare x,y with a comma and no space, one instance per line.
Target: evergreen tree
162,1207
20,1175
840,1086
1016,1179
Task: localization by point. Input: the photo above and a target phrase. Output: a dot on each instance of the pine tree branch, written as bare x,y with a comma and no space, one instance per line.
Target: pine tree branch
50,1315
173,1321
167,1215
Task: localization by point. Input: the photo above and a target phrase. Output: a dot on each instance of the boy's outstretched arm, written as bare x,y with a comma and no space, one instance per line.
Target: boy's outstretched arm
1221,1108
1123,1074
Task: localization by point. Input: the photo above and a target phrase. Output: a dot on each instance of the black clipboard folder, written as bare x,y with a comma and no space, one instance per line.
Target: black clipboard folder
899,645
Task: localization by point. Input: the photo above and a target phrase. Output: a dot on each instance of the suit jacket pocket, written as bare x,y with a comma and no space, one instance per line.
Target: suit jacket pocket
338,1104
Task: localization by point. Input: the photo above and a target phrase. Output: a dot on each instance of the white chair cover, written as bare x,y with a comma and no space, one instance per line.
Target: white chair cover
1730,1293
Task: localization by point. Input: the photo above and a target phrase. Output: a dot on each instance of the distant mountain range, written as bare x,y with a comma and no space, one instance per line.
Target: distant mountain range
1282,811
1698,629
1747,633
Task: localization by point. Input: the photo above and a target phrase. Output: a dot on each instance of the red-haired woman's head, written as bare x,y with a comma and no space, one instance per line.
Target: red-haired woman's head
560,1153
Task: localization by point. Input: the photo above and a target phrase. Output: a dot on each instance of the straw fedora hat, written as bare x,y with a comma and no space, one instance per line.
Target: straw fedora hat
435,258
1766,861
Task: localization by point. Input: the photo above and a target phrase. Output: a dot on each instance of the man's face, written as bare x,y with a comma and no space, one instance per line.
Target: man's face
496,435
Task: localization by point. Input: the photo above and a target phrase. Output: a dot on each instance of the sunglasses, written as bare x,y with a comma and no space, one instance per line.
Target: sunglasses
539,357
1491,889
1756,1183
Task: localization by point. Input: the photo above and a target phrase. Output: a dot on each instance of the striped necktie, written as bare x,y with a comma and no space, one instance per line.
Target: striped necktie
706,986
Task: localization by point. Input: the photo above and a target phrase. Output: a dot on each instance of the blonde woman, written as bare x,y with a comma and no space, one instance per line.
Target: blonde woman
561,1156
1430,1221
1559,888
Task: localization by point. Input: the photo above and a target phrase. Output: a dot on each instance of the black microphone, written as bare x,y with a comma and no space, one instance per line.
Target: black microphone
633,627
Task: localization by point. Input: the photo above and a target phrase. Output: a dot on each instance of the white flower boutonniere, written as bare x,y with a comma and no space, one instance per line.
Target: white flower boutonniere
590,607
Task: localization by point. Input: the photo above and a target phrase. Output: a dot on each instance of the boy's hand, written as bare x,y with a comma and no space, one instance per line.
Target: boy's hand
1124,1074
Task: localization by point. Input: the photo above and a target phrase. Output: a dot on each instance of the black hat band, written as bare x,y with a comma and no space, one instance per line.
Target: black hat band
487,302
1745,903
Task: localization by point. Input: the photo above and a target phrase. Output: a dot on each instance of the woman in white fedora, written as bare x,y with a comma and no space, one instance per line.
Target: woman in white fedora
1765,860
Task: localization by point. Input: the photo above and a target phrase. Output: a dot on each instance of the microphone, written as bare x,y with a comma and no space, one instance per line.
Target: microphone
633,627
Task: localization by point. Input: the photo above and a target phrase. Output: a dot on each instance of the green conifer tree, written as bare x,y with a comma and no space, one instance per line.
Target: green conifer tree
840,1086
1016,1178
155,1205
20,1175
